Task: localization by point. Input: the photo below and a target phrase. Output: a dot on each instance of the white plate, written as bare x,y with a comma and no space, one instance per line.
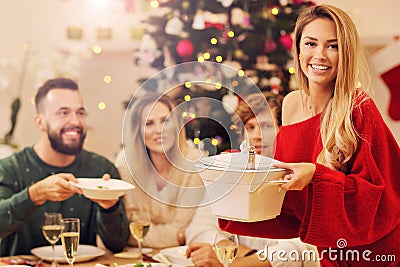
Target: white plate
85,253
132,253
177,255
134,249
97,188
127,255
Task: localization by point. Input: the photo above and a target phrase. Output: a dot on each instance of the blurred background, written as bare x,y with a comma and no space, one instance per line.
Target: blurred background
112,46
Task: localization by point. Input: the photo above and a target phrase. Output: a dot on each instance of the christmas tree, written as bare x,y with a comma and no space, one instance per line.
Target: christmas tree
254,36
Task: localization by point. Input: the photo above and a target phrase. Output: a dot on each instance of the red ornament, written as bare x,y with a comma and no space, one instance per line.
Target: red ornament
286,40
184,48
269,46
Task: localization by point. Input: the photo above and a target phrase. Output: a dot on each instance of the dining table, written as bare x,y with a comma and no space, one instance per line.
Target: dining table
108,259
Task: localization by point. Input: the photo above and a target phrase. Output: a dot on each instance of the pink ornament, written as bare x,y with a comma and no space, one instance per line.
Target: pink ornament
184,48
286,40
269,46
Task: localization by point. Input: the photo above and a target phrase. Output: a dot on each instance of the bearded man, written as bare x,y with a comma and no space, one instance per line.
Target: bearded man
37,179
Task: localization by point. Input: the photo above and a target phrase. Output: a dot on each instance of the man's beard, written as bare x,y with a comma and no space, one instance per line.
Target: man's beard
69,149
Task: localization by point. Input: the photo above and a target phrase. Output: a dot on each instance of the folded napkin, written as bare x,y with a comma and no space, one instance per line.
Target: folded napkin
161,258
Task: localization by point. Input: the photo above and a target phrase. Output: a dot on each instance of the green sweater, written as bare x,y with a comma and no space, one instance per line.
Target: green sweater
21,219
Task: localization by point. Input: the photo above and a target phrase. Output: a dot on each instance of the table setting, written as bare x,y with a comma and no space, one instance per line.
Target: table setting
82,255
89,256
71,252
56,228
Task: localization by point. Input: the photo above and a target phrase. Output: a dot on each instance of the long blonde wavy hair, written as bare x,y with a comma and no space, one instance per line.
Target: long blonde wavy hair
339,138
136,153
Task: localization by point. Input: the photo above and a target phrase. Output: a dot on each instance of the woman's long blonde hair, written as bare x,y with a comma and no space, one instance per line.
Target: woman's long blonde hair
339,138
136,154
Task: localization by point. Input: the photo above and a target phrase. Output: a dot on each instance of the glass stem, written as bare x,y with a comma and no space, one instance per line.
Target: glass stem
54,255
140,248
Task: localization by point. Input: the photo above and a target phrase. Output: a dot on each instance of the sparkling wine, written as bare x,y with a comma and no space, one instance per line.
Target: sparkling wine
70,242
51,233
139,230
226,252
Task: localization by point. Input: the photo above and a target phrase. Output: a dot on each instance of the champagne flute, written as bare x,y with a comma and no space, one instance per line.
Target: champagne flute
226,247
51,230
70,228
139,225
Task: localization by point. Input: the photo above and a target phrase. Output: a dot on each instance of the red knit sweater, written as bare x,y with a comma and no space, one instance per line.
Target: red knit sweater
361,206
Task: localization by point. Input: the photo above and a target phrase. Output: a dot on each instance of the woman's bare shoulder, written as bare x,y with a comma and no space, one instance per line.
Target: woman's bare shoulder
291,105
293,96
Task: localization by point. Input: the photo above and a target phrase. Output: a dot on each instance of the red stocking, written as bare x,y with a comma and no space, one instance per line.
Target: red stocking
387,63
392,80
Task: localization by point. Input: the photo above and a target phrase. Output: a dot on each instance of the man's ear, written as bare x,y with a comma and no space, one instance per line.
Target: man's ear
39,121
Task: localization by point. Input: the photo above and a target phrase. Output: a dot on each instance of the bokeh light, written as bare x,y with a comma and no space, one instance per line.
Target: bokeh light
101,105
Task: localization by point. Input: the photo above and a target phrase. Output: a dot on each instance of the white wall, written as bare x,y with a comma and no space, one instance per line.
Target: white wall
378,24
42,25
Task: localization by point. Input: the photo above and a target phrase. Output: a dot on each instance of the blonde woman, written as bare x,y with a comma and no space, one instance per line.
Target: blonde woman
159,162
344,192
257,119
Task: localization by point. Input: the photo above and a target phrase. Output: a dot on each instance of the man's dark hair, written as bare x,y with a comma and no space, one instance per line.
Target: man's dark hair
58,83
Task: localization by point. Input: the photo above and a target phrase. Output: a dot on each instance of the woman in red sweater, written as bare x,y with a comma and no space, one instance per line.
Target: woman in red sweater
344,190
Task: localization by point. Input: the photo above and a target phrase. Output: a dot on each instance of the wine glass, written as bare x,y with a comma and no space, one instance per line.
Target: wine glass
226,247
70,228
139,225
51,230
